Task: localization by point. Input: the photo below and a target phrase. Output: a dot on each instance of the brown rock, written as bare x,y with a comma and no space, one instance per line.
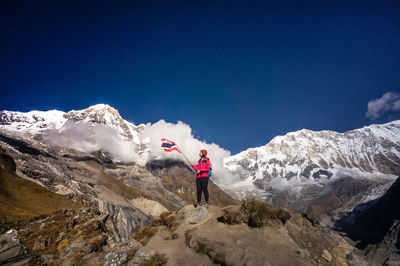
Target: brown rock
326,255
39,244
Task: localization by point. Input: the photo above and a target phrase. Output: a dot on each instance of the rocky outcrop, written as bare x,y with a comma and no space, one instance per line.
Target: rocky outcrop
339,197
12,252
194,215
229,236
126,220
387,252
376,227
64,237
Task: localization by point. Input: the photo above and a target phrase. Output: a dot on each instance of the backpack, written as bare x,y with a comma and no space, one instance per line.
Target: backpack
209,171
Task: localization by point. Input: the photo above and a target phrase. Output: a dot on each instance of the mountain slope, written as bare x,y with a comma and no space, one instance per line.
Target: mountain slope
106,115
309,156
303,168
376,226
40,121
21,198
131,193
32,122
94,156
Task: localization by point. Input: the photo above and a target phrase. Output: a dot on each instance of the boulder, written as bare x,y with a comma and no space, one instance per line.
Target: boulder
12,252
195,215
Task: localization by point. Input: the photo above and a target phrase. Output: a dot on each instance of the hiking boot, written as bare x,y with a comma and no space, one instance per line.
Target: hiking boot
207,205
195,205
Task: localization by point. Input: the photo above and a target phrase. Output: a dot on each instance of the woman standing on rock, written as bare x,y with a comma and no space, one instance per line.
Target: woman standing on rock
203,170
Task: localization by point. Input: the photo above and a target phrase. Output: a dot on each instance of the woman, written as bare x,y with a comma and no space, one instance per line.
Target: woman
202,169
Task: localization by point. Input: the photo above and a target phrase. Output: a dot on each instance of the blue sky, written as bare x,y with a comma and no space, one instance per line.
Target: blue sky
238,73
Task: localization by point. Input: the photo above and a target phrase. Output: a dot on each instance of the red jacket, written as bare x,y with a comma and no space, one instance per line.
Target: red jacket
202,167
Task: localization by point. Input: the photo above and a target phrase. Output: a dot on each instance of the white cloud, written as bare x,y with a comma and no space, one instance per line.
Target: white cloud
389,101
90,137
182,135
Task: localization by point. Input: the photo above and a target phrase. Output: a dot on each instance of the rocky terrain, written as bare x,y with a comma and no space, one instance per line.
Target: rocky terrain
375,227
96,212
253,233
129,192
41,227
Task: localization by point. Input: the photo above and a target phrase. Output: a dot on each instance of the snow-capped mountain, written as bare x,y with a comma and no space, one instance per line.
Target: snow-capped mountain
299,157
88,156
106,115
40,121
307,156
31,122
100,127
299,170
323,172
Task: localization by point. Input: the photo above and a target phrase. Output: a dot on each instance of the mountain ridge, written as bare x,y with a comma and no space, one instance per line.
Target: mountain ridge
295,170
305,158
107,115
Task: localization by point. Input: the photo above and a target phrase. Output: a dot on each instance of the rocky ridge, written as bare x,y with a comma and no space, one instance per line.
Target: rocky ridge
306,168
318,155
106,115
230,236
34,122
375,227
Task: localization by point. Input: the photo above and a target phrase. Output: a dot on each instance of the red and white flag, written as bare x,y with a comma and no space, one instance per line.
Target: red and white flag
169,145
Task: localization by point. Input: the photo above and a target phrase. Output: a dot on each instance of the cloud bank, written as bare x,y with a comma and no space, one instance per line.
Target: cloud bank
389,102
89,137
182,135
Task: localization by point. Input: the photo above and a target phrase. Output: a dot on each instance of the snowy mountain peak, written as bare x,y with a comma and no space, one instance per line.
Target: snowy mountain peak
100,106
99,114
104,114
33,121
306,156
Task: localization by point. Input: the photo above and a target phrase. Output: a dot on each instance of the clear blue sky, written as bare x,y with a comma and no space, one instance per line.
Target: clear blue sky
239,73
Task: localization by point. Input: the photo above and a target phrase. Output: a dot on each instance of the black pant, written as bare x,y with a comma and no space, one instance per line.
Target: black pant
201,186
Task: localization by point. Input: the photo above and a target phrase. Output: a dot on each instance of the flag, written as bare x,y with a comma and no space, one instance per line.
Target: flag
169,145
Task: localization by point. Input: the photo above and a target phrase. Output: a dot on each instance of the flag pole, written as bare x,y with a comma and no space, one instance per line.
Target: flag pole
180,150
